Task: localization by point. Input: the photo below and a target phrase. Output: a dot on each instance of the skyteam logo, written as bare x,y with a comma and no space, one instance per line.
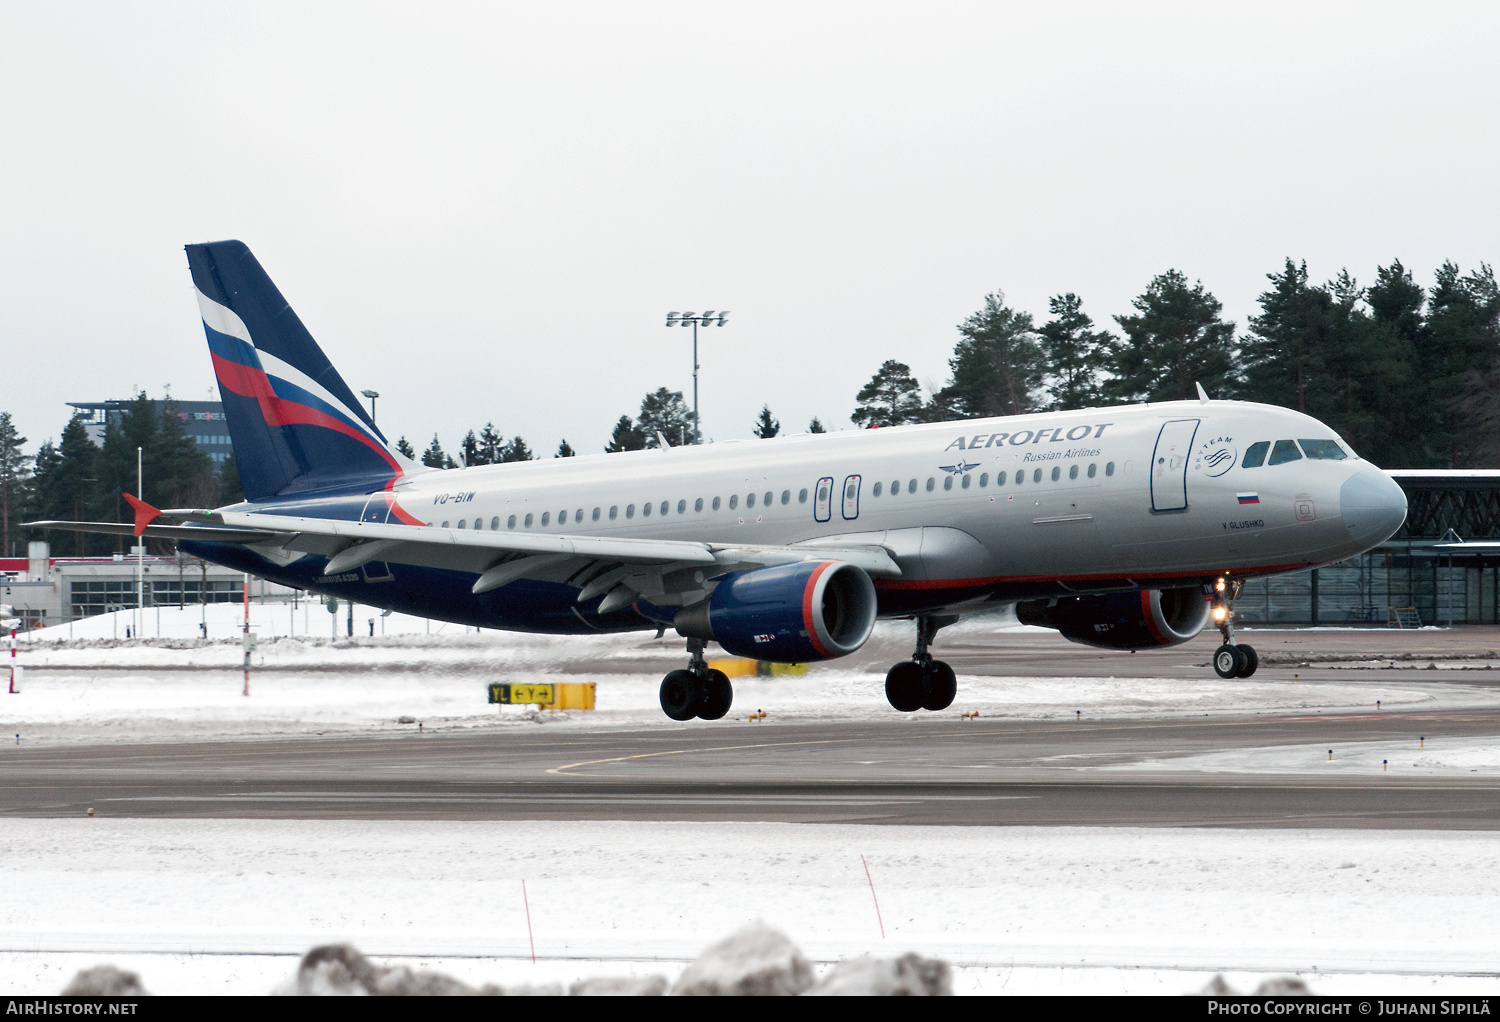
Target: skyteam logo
960,468
1216,456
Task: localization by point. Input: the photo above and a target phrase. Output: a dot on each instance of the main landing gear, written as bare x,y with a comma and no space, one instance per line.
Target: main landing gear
697,691
923,683
1230,659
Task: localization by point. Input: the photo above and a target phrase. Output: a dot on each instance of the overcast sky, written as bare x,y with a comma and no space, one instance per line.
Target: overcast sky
484,212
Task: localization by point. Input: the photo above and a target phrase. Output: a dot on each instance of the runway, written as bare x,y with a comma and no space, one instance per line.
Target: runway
932,770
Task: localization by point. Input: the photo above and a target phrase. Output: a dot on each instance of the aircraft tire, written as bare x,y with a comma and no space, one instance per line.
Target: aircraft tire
1228,661
905,687
718,696
942,686
1251,660
681,695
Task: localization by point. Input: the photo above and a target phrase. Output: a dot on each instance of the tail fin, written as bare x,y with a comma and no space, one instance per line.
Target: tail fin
294,423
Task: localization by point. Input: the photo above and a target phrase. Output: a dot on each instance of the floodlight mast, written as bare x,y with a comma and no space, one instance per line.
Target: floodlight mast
709,318
372,395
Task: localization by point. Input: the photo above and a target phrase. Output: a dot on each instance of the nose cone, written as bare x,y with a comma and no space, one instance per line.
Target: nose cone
1373,506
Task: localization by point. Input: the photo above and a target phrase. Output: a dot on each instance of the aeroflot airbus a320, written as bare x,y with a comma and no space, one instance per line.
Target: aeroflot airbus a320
1126,527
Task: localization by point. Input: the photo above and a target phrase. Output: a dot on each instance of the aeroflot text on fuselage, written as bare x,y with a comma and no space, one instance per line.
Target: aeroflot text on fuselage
1020,438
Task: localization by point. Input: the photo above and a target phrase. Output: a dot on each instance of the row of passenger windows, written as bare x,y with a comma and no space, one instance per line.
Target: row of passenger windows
1287,450
664,508
1000,477
767,499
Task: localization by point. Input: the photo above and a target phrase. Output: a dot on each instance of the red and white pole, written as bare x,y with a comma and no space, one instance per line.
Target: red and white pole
12,660
247,635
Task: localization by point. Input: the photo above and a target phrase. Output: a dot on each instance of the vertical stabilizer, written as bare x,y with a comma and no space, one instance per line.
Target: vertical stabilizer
293,420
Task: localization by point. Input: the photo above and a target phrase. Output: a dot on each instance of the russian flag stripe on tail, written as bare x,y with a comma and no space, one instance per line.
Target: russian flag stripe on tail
294,422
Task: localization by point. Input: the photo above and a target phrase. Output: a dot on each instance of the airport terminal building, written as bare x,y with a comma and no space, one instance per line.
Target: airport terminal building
203,421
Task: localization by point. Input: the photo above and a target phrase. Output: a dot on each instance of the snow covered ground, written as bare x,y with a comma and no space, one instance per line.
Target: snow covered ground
96,688
1436,757
227,905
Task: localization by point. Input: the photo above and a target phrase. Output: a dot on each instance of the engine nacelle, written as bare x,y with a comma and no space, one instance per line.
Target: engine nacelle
1137,620
787,613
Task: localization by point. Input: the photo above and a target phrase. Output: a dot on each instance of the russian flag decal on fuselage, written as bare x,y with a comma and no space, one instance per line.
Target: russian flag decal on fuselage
1248,498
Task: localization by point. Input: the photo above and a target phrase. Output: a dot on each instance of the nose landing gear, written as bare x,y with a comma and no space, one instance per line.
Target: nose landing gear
1230,659
698,691
923,683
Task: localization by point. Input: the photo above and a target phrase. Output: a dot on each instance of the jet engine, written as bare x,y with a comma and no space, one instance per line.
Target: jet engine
1136,620
787,613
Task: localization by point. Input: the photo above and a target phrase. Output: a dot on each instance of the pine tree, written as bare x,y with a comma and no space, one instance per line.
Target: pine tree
1396,338
470,448
490,444
565,450
516,450
892,397
404,447
766,425
65,487
434,457
1462,345
230,491
1287,357
664,412
816,426
1176,341
1076,354
626,437
997,364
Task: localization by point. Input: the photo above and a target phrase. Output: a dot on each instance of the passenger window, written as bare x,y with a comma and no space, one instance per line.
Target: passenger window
1020,476
527,521
462,522
967,481
682,507
734,501
495,523
1323,450
629,510
596,514
947,482
546,517
999,478
1056,472
984,479
578,517
802,495
614,512
911,487
510,523
750,500
786,496
664,505
1255,454
1072,471
645,510
445,525
698,504
1109,469
716,503
767,501
875,492
1036,476
1283,452
931,482
1093,471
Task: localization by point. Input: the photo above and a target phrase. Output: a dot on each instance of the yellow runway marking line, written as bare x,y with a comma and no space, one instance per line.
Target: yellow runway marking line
683,752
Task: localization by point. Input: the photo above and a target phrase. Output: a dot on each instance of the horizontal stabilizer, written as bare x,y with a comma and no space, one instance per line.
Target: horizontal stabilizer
209,534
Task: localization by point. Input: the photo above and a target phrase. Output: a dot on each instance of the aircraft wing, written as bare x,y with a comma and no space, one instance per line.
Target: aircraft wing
207,533
664,571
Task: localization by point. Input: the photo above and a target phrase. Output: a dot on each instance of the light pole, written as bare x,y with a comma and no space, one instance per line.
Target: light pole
372,395
686,319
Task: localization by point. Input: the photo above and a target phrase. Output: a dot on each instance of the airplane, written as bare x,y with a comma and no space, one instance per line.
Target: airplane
1126,528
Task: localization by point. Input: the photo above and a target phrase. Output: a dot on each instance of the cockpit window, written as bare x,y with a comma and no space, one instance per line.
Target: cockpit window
1323,450
1255,454
1283,452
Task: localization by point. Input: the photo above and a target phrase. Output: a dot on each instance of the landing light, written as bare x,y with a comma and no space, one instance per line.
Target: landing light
1220,613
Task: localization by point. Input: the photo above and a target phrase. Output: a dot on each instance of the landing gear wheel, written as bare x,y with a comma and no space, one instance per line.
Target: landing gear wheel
905,686
1251,660
718,694
1229,662
682,695
942,686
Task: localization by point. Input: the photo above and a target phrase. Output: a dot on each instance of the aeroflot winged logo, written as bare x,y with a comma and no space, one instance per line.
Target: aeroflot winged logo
960,468
1024,437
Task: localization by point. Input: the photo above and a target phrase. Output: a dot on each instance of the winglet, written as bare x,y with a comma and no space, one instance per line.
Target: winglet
145,514
1202,394
661,438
